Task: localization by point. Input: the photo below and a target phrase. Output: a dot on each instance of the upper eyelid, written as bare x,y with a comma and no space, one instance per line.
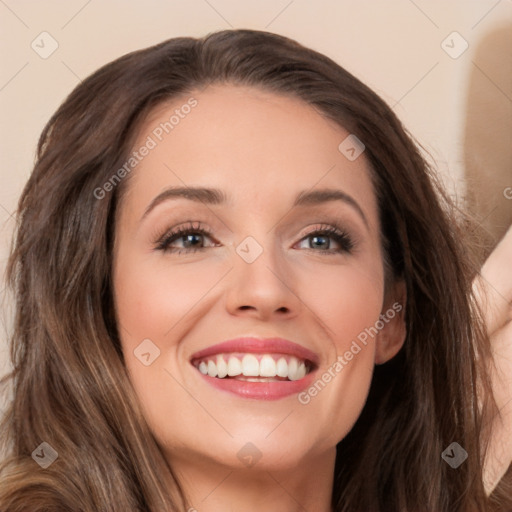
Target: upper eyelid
182,230
187,227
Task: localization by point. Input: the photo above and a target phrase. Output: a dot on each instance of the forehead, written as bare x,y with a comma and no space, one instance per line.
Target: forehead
258,146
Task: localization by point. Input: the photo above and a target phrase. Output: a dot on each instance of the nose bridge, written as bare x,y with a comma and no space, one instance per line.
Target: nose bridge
261,280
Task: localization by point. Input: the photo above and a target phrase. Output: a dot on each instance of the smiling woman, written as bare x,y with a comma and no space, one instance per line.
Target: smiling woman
284,239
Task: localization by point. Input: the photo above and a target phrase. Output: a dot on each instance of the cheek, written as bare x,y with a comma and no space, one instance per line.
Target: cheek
159,302
348,301
347,298
153,297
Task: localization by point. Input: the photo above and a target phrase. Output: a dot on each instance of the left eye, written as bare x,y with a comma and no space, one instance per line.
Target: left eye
191,240
323,239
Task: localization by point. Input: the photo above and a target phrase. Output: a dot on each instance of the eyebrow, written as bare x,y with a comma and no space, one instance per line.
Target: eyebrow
215,196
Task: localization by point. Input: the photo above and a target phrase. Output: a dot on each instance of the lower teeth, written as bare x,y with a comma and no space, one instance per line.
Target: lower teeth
259,379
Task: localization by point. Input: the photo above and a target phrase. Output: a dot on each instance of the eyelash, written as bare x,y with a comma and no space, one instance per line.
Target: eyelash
342,238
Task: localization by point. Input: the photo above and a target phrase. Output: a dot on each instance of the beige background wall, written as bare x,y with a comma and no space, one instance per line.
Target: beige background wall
458,106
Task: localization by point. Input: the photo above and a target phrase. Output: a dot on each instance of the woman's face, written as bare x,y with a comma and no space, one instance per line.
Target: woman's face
252,259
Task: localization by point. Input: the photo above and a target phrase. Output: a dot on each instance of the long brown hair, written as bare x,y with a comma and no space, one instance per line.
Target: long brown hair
70,384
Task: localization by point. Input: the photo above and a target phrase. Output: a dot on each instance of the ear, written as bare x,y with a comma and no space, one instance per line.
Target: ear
391,336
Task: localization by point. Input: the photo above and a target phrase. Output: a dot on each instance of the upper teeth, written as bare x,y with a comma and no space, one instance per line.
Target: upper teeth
230,365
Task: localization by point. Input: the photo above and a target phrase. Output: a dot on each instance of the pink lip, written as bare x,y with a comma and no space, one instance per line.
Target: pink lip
260,390
259,346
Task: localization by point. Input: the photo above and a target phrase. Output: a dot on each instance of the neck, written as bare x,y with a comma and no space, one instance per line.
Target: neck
212,487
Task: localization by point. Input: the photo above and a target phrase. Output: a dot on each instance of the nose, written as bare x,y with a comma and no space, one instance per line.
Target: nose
262,289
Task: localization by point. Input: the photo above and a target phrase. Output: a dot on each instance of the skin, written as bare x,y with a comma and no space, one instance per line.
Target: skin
261,150
493,288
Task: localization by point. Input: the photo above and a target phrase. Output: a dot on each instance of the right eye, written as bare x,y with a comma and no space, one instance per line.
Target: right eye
189,236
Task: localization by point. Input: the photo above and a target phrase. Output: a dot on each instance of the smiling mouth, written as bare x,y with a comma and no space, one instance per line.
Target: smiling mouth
252,367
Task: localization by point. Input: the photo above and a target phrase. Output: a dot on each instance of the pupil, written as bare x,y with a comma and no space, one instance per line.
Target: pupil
190,238
321,238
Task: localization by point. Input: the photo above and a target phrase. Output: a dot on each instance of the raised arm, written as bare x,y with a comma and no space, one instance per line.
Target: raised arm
494,291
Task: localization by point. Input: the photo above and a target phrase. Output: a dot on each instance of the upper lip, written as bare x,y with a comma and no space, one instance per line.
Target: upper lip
255,345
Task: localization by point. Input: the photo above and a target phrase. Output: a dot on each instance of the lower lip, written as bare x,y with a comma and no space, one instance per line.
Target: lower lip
260,390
